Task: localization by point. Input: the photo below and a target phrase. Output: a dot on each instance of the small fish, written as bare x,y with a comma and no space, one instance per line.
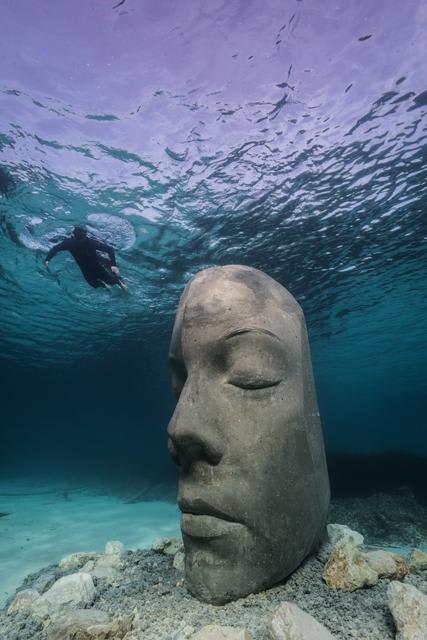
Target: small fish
4,513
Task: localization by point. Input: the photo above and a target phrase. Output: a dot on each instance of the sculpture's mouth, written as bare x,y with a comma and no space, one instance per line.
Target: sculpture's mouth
208,527
202,520
199,507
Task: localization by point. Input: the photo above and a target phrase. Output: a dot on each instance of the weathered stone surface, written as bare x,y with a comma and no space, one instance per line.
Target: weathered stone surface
349,567
348,570
45,581
23,601
114,547
386,564
87,624
178,561
341,534
88,567
78,623
76,561
241,360
167,546
409,610
289,622
217,632
417,561
105,566
402,568
73,591
112,560
338,534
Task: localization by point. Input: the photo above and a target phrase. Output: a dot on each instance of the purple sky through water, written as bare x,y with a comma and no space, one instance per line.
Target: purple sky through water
169,69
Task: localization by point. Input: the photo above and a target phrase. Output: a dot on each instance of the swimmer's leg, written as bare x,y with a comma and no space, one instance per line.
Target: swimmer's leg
123,286
104,285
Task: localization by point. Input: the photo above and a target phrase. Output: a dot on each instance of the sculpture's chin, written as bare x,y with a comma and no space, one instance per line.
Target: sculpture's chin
229,566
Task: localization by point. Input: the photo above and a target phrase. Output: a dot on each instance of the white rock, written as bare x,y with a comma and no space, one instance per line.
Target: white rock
87,624
104,566
114,546
341,534
217,632
158,545
167,546
76,560
80,623
417,561
348,570
386,564
289,622
409,610
73,591
23,601
114,560
179,561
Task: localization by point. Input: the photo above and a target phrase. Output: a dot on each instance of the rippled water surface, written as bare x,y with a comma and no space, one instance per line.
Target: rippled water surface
287,135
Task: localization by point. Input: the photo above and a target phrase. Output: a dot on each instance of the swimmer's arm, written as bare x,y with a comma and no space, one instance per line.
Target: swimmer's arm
61,246
107,248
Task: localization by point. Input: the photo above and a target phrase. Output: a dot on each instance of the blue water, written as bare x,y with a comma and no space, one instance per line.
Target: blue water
290,136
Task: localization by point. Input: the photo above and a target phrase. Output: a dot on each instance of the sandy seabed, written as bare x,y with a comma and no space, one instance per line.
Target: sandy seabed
45,523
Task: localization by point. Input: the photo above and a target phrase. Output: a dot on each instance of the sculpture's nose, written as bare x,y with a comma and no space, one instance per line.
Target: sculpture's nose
194,437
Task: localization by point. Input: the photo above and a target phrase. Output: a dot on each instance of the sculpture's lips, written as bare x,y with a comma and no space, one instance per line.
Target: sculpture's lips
202,526
202,520
199,507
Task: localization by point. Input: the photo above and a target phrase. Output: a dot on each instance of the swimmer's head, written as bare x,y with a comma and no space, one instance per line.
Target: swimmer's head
79,232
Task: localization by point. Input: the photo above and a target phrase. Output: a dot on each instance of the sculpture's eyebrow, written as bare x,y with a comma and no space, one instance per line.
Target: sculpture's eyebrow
242,331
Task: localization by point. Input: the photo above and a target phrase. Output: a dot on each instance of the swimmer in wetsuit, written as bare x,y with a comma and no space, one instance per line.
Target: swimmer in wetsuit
97,271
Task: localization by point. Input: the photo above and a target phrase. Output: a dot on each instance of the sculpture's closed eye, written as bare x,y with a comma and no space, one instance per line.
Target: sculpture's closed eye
253,381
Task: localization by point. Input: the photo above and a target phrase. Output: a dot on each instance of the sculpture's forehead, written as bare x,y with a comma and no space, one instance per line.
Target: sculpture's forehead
213,307
211,299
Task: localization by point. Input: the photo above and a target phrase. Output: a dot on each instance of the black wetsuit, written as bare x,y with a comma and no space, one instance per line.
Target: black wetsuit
95,268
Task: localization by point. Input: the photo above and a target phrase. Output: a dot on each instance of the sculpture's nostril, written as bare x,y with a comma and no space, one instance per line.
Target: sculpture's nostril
187,449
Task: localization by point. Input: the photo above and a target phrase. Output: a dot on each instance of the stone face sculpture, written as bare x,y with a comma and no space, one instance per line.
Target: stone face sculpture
253,487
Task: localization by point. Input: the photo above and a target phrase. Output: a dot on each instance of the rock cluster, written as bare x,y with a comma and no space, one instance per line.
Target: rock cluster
62,607
349,567
121,595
